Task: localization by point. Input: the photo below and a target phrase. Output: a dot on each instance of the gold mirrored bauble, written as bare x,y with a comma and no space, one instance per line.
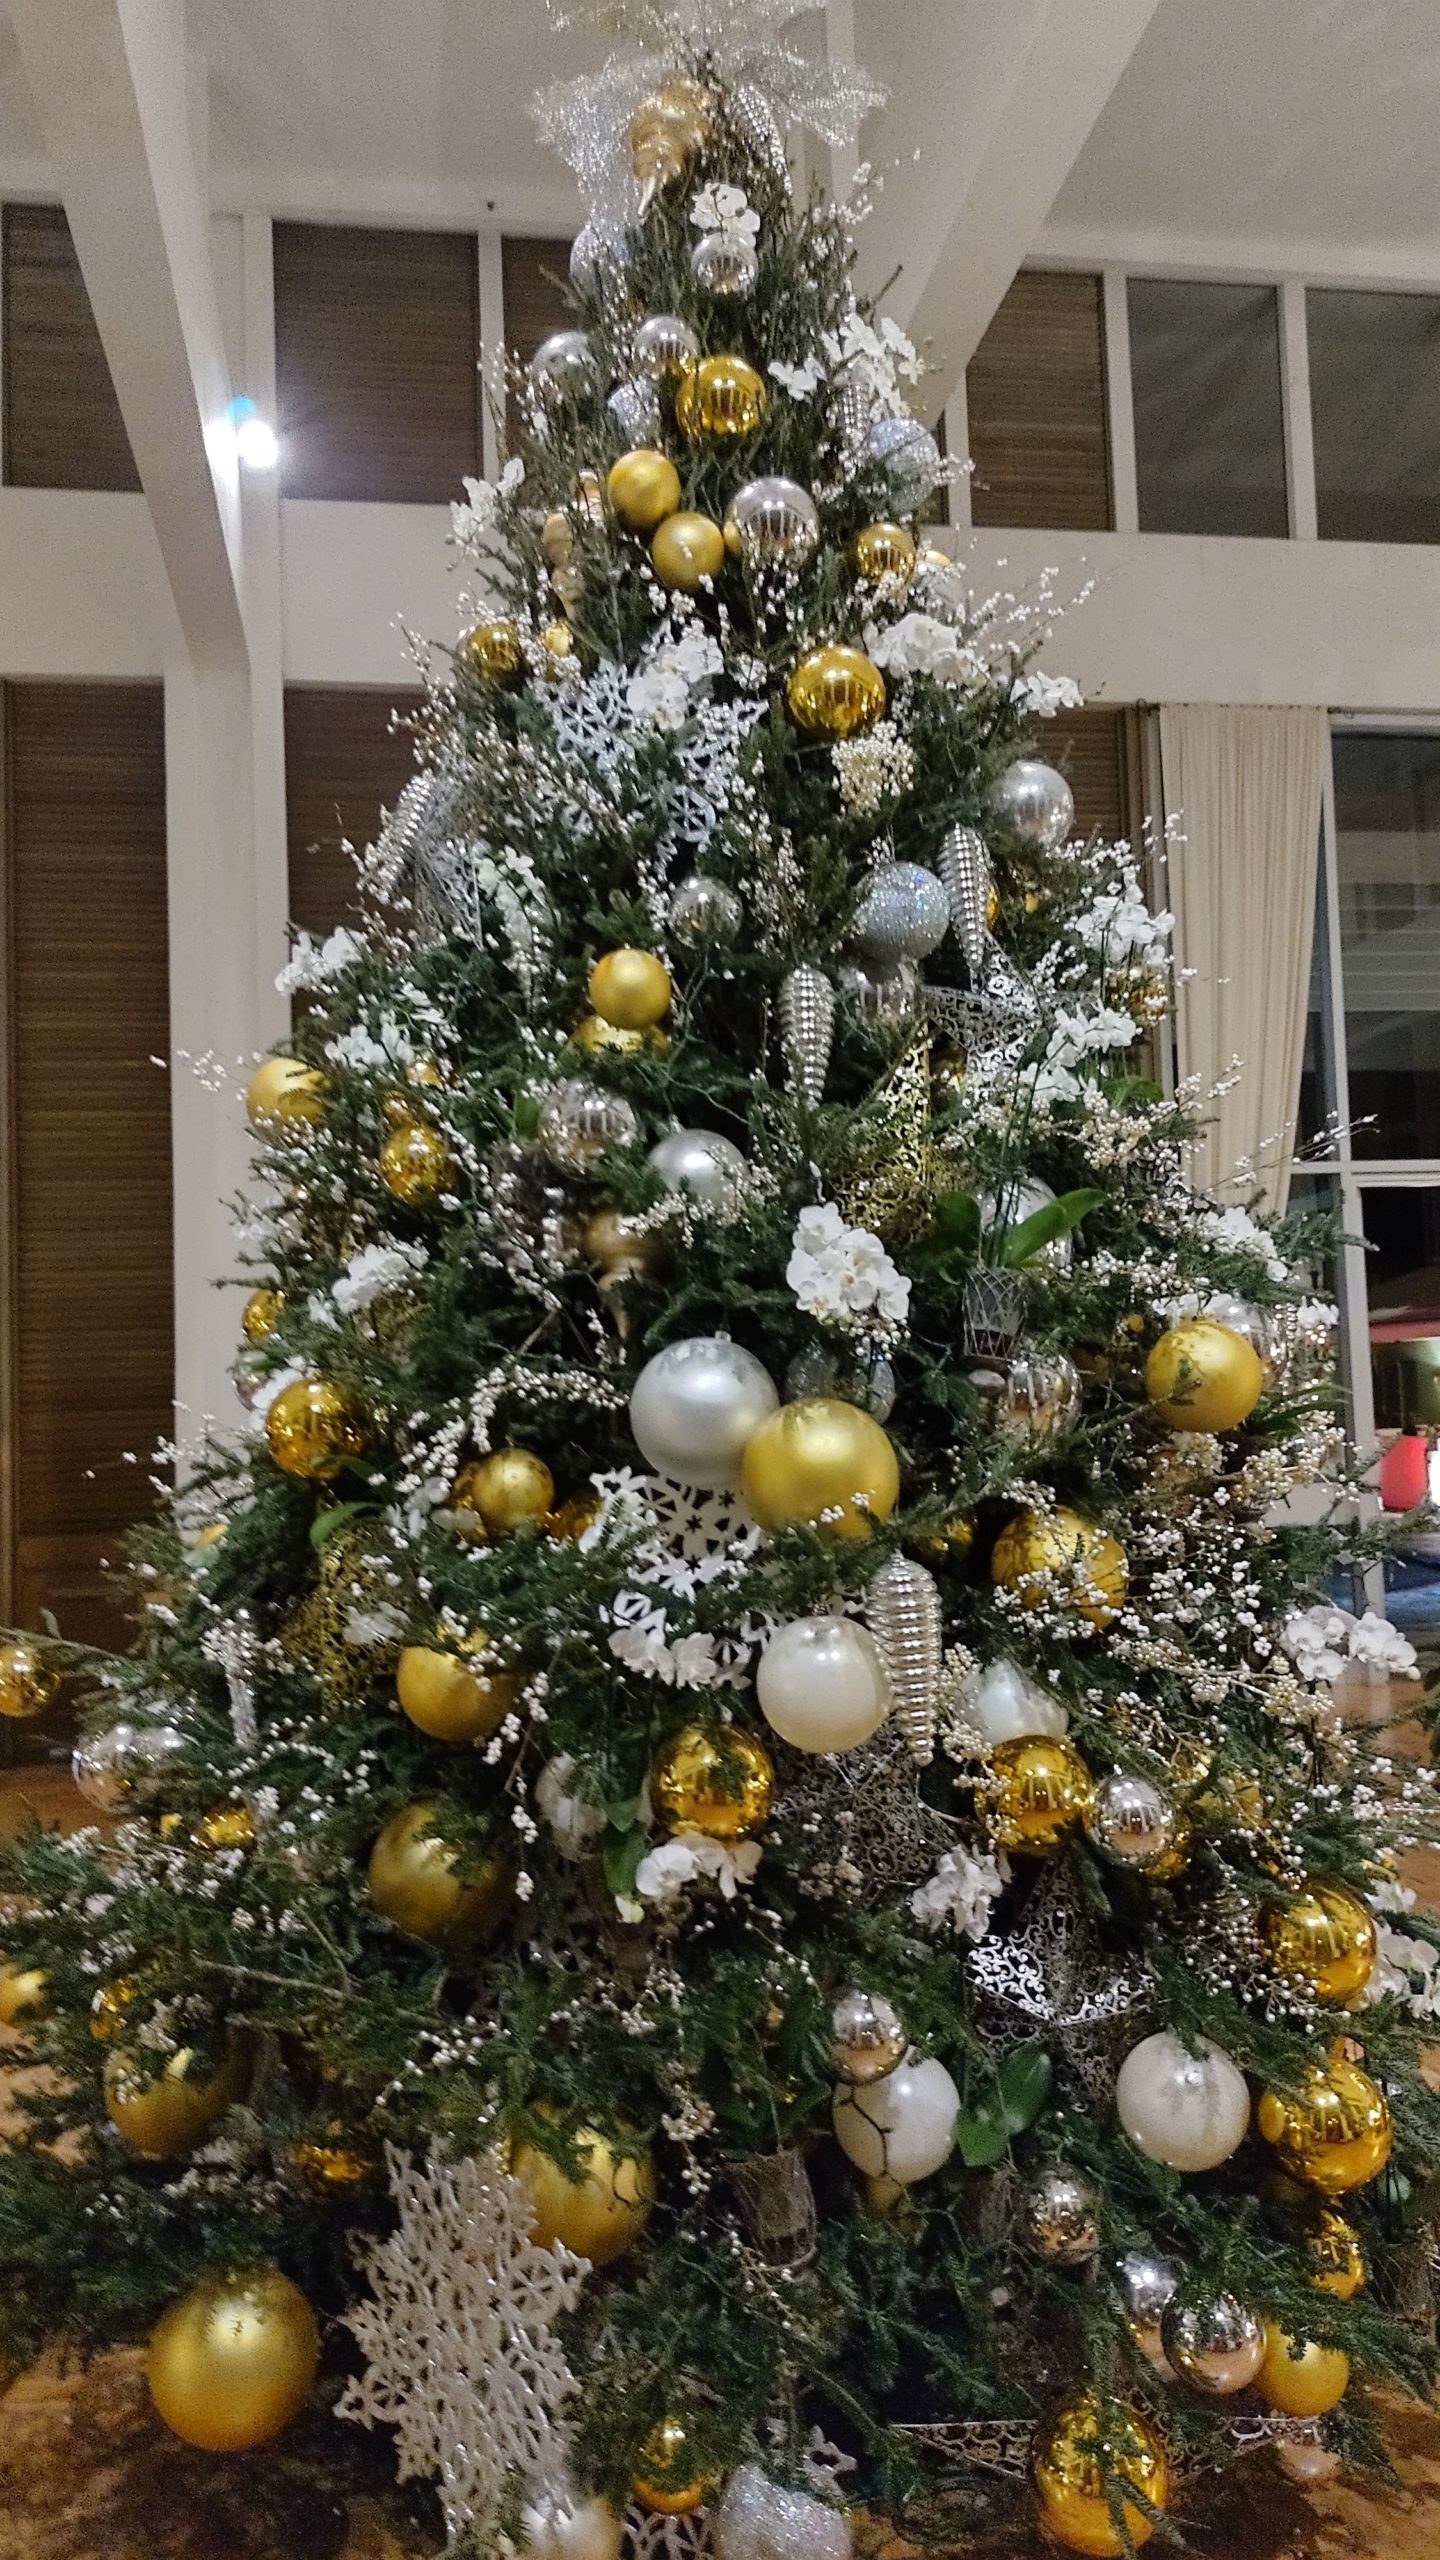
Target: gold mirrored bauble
721,396
1324,1940
1086,2446
620,1247
719,1783
1040,1791
413,1879
283,1094
667,2481
415,1164
686,550
1298,2377
572,1517
1335,2133
1337,2257
600,2212
1060,1542
163,2117
451,1699
232,2361
630,989
314,1428
835,691
883,551
230,1826
495,650
333,2166
821,1462
1203,1376
27,1683
22,1994
511,1489
261,1313
644,488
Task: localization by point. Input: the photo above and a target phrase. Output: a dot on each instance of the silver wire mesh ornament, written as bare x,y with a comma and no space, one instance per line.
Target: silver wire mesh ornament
992,1311
902,1606
807,1029
1049,1976
996,1020
963,863
777,2205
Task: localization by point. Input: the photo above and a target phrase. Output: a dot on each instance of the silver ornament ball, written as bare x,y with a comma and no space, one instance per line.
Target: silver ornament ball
694,1406
1252,1324
774,520
580,1122
865,1378
562,367
1036,802
887,999
701,1162
635,408
761,2519
705,910
664,345
905,914
909,457
126,1765
1057,2216
869,2035
1039,1395
724,264
1132,1820
1146,2284
1217,2346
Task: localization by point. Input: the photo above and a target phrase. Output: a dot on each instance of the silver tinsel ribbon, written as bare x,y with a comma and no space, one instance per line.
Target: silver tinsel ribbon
807,1028
903,1608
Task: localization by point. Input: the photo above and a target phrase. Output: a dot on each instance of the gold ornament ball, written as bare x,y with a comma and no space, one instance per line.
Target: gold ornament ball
450,1699
232,2361
1088,2444
415,1163
822,1462
644,489
22,1993
314,1428
1324,1940
1338,2259
27,1684
511,1489
687,549
261,1313
332,2167
631,989
495,650
572,1517
718,1783
1299,2378
164,2117
836,691
598,2214
1203,1376
621,1248
1335,2133
883,551
230,1826
282,1094
721,396
1060,1542
667,2481
413,1879
1041,1791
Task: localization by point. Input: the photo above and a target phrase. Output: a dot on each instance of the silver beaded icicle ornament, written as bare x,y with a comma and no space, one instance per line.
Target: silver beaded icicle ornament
963,863
903,1609
807,1027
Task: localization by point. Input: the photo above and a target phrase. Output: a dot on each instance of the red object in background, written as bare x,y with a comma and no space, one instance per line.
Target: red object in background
1405,1472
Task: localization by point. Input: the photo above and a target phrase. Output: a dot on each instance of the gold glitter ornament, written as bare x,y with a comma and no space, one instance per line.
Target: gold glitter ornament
261,1313
1089,2444
718,1783
415,1164
630,989
334,2165
822,1463
495,650
283,1095
667,2481
451,1699
721,396
1061,1543
510,1489
1324,1940
644,488
883,551
1299,2378
230,1826
23,1994
1040,1791
1339,2261
595,1033
413,1880
686,550
1335,2132
835,690
314,1428
232,2361
1203,1376
166,2116
601,2212
107,2009
349,1581
27,1684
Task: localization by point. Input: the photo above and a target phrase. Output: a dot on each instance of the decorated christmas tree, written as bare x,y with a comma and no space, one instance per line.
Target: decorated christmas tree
732,1891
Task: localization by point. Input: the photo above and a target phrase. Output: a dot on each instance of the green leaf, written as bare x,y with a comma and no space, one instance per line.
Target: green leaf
525,1115
329,1524
1046,1226
1024,2079
982,2135
620,1856
1123,1089
956,1221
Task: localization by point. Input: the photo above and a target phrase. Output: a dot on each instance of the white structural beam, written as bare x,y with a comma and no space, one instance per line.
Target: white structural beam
989,109
112,84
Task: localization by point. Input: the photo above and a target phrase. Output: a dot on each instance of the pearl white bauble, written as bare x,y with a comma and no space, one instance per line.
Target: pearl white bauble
560,2524
822,1685
1004,1705
694,1406
901,2127
701,1162
1190,2110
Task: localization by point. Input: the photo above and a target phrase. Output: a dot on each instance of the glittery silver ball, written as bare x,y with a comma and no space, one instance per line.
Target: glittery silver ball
664,345
705,910
1216,2346
863,1378
869,2036
885,998
1057,2215
701,1162
910,458
905,914
762,2519
775,520
1132,1820
1146,2285
724,264
1036,801
635,408
562,366
580,1122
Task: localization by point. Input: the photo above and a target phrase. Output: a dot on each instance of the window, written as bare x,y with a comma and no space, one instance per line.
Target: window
377,354
347,757
1375,401
1387,851
532,280
1039,423
62,422
1209,426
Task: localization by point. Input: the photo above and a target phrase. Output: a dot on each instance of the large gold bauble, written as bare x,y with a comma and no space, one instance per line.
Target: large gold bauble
667,2481
598,2214
720,1783
232,2361
1339,2260
1203,1376
450,1699
721,396
1040,1792
511,1489
1089,2443
1060,1542
822,1462
23,1993
163,2118
282,1094
687,549
835,690
1324,1940
1336,2132
314,1428
883,551
27,1684
413,1880
261,1313
1303,2384
495,650
415,1164
644,488
631,989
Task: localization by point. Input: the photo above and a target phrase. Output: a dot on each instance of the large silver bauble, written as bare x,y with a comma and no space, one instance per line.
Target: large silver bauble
910,458
596,253
885,998
869,2035
1014,1200
1132,1819
761,2519
865,1378
635,408
724,264
1216,2346
1036,801
664,345
1306,2459
704,910
1001,1703
904,915
1057,2215
560,2523
562,366
774,520
1034,1394
126,1766
580,1122
1146,2285
901,2127
694,1406
701,1162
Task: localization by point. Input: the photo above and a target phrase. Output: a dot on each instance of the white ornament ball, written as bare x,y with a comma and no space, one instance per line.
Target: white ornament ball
760,2519
694,1406
901,2127
1190,2110
822,1685
701,1162
1005,1705
560,2524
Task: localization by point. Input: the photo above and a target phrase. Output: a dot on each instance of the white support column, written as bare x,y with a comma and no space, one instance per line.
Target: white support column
957,445
265,638
1120,399
1299,425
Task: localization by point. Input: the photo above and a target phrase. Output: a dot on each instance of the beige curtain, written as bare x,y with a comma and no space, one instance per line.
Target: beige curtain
1243,788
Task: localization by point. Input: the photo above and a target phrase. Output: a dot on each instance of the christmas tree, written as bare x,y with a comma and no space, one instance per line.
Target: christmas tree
732,1879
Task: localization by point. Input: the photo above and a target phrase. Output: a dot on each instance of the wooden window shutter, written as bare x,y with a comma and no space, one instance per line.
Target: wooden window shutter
533,274
377,353
1036,393
89,1366
61,419
346,759
1099,751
